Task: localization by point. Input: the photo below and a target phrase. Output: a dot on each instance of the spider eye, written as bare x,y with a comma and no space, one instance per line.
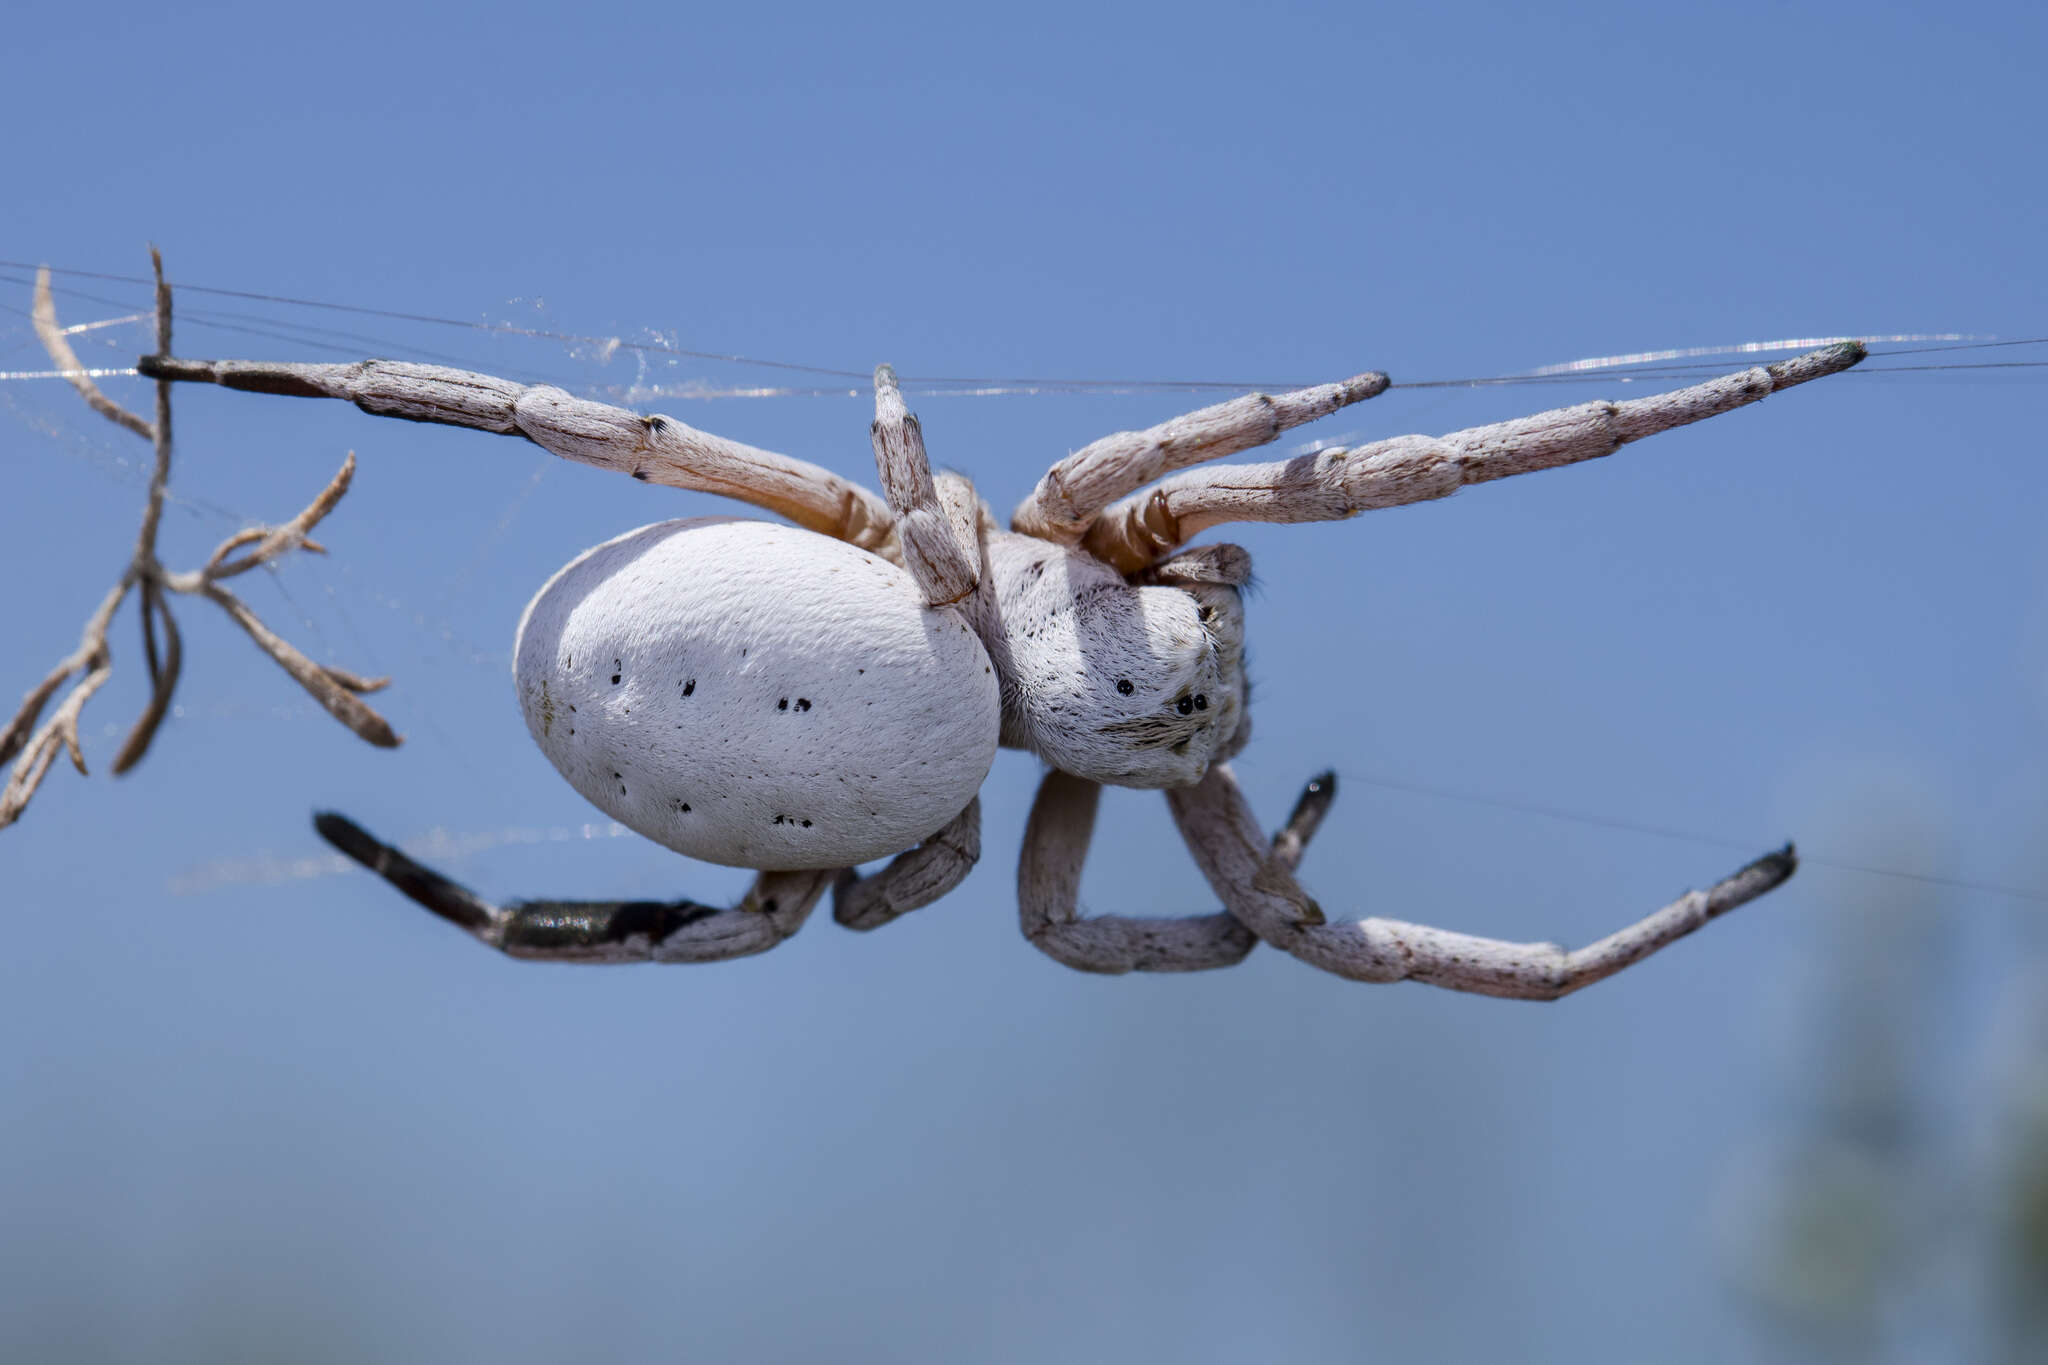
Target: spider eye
1201,701
1185,705
1123,685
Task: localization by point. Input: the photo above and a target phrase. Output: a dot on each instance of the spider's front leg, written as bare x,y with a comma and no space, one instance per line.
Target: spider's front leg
1075,490
595,931
651,448
1333,484
1056,842
1224,837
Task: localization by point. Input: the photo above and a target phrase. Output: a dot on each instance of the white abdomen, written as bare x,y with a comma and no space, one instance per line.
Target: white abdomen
756,695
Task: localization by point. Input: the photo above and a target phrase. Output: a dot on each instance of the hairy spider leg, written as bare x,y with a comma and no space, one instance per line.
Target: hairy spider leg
1259,887
1056,842
653,448
1073,491
914,878
941,546
595,931
1330,485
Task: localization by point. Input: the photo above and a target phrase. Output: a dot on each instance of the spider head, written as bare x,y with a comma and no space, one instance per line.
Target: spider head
1130,684
1186,703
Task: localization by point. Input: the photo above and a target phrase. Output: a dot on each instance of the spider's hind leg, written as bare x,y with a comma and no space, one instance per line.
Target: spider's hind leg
914,879
594,931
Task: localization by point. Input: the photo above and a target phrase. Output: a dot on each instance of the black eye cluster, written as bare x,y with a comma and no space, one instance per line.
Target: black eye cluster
1187,706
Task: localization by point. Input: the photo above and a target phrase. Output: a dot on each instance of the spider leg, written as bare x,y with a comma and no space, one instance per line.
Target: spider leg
913,879
1073,491
654,449
1224,837
1056,842
1227,566
595,931
941,543
1333,484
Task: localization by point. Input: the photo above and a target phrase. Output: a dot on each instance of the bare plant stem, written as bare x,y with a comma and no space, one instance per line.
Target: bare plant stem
35,747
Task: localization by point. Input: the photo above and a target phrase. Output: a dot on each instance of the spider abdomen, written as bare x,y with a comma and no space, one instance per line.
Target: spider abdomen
756,695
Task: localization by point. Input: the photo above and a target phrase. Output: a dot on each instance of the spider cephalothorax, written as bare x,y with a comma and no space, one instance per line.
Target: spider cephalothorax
802,701
1132,684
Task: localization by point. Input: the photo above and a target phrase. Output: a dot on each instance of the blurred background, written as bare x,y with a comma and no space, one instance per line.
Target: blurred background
256,1106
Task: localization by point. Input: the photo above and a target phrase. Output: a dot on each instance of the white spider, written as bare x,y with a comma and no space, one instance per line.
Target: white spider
801,701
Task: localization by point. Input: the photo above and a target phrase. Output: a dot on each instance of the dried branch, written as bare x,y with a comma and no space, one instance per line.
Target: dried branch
355,682
38,747
324,684
61,731
92,646
34,747
270,541
163,680
64,358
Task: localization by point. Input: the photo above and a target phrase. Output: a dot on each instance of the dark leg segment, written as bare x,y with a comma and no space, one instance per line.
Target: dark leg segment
594,931
653,449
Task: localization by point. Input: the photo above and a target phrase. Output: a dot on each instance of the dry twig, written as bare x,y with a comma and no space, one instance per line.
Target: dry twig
34,748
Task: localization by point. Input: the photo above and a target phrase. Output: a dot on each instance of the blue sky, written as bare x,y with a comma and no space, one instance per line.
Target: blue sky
299,1117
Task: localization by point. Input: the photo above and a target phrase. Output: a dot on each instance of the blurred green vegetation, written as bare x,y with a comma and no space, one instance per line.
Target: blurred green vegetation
1900,1211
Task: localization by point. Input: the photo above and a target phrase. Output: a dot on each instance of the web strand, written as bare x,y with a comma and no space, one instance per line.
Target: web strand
1659,366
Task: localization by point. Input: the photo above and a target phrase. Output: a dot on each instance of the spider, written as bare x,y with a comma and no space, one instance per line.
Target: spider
803,699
